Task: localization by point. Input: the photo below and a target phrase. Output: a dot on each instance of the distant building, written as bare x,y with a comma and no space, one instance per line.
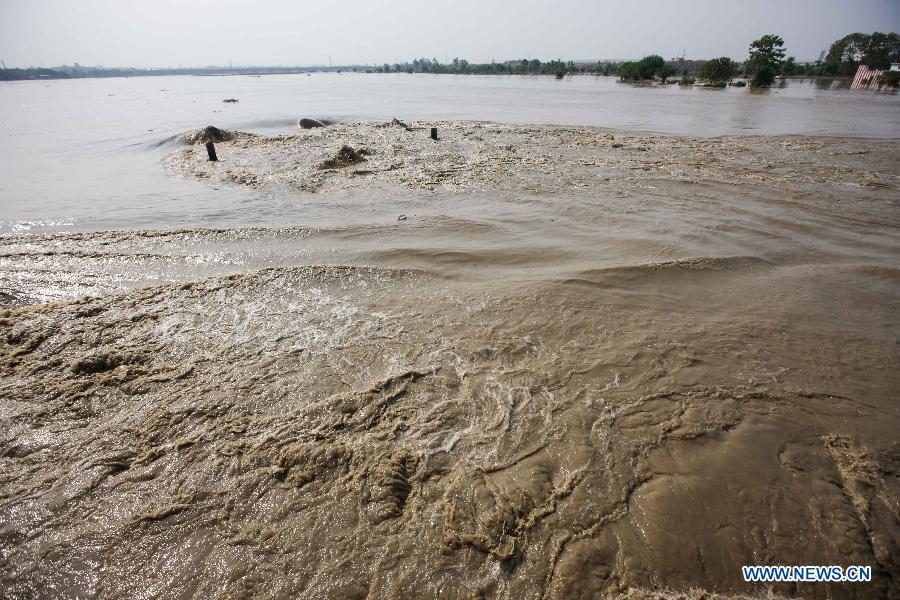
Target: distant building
822,55
895,66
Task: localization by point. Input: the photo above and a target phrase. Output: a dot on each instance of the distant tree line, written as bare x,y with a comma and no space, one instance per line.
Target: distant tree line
460,66
765,62
763,65
80,72
31,73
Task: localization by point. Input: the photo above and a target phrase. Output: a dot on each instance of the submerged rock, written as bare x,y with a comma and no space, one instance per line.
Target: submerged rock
310,123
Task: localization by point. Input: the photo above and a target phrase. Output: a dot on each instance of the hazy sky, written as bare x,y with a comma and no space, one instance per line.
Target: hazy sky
160,33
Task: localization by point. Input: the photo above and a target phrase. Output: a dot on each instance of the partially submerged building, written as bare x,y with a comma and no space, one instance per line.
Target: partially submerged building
871,79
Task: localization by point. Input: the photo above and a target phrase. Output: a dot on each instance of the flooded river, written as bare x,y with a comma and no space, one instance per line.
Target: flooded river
622,354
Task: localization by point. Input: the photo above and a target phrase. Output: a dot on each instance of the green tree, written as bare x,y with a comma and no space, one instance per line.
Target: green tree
881,51
718,70
651,65
766,56
844,54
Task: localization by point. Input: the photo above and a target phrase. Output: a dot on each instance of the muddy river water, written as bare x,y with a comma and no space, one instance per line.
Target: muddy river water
523,361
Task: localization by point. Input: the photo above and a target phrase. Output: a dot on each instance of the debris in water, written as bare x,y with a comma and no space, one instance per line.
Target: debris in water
346,156
395,122
208,134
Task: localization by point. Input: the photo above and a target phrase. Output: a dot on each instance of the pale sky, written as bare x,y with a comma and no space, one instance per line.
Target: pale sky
168,33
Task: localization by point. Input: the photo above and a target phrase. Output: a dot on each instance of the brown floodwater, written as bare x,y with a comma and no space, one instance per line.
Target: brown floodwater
582,364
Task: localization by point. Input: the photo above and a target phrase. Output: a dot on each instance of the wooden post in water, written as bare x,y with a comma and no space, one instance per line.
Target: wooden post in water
211,150
434,133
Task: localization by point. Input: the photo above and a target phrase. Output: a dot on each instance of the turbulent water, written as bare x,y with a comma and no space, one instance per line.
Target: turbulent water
527,362
82,154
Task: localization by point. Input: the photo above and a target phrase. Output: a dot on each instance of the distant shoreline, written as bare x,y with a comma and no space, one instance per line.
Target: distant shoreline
43,74
51,75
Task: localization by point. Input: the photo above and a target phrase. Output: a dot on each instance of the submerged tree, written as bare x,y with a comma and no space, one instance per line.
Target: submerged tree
646,68
628,71
891,78
718,70
766,57
665,72
789,67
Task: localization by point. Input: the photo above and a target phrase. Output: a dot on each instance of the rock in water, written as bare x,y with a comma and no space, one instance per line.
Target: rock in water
309,123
